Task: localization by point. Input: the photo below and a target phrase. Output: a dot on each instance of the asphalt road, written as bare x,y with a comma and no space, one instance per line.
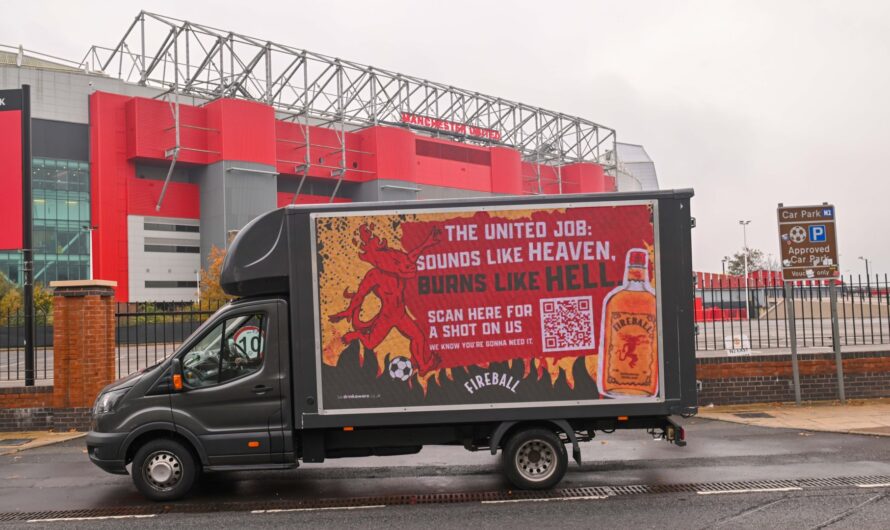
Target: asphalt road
59,478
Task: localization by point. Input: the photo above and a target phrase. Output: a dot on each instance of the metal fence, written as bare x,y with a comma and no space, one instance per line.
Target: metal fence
731,315
145,334
12,351
727,314
148,332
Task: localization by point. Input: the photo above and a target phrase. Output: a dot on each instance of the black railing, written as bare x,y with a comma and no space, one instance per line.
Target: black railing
148,332
12,346
727,315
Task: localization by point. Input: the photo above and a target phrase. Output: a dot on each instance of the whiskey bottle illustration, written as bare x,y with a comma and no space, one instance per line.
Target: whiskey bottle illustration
628,355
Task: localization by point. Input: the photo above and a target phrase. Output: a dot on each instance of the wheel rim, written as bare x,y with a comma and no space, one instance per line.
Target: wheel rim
162,470
536,460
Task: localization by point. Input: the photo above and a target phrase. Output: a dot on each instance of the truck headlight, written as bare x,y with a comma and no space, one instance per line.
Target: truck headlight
108,401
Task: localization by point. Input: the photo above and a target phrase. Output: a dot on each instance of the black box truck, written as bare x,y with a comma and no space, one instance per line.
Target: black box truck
519,324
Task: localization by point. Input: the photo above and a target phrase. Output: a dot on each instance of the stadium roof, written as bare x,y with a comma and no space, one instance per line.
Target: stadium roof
185,58
635,161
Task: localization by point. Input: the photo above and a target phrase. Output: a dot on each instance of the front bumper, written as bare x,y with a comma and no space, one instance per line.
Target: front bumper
105,450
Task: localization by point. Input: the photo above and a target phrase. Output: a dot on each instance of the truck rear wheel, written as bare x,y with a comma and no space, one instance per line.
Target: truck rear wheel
164,470
535,459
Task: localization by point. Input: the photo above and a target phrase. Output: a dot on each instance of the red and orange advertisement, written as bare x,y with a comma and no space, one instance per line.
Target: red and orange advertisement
498,306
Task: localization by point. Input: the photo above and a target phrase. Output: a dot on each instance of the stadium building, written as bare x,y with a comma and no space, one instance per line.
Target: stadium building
148,153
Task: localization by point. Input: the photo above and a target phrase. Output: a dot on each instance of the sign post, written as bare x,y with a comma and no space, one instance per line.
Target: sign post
792,337
836,343
27,246
808,250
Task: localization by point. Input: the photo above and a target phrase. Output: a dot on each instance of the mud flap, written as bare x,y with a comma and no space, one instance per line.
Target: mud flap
675,433
570,432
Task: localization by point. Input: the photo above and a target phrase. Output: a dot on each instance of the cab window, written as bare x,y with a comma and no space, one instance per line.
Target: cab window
232,349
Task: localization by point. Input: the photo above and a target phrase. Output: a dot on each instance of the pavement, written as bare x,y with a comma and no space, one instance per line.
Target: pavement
12,442
861,416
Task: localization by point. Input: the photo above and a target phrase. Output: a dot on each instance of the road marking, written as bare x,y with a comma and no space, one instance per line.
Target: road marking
752,490
881,485
584,498
99,518
329,508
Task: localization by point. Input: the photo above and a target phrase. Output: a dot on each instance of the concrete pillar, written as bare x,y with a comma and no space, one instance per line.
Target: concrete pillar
233,194
83,342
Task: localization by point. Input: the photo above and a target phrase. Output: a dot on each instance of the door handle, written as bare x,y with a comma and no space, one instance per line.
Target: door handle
261,389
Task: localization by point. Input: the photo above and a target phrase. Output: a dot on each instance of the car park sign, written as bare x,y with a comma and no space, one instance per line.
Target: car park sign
808,242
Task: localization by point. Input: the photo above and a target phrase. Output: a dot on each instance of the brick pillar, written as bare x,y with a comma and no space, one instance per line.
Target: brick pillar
83,341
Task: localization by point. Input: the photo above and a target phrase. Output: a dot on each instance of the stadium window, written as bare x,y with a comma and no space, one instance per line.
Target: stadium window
164,227
168,284
173,248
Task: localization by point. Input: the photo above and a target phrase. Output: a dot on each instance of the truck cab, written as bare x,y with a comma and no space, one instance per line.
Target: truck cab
224,395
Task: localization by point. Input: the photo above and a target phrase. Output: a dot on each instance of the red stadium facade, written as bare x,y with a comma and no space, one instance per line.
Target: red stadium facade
125,131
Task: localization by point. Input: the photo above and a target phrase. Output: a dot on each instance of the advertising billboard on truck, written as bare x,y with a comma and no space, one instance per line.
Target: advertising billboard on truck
495,307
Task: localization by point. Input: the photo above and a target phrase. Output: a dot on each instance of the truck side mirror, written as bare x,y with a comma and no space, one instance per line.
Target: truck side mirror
176,379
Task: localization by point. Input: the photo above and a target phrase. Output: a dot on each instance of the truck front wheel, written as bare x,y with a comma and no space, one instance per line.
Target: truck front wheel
534,459
164,470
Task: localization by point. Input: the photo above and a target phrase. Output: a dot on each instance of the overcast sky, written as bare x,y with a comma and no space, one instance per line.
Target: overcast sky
750,103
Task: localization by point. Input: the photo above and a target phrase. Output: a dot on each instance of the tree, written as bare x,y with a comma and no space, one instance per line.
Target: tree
736,264
12,306
211,294
6,285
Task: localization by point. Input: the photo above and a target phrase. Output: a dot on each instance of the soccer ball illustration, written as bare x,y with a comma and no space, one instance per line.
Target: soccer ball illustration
400,368
798,234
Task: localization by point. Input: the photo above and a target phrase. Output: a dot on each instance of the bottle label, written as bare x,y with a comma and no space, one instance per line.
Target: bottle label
631,350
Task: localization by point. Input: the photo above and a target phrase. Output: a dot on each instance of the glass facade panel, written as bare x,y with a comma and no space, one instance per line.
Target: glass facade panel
61,212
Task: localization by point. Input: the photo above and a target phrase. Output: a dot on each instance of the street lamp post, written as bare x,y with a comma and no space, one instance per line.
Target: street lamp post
745,255
867,279
89,230
723,263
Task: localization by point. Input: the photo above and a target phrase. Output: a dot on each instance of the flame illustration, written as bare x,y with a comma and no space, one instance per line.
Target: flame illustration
424,380
331,351
564,365
590,363
381,361
651,250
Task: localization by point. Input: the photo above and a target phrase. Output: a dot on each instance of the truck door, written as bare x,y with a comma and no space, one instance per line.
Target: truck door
231,398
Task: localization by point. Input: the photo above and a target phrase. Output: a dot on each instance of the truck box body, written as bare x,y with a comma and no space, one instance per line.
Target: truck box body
479,310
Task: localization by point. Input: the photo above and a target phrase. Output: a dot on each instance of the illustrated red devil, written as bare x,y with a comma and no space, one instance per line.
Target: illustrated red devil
628,351
387,279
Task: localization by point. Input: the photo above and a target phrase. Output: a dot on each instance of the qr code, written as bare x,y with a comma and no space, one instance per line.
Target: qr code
567,323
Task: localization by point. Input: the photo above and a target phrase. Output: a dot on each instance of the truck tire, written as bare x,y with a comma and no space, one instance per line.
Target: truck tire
535,459
164,470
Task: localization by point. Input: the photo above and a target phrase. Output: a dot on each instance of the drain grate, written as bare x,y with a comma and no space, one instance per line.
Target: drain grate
464,497
747,485
830,482
12,442
89,512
